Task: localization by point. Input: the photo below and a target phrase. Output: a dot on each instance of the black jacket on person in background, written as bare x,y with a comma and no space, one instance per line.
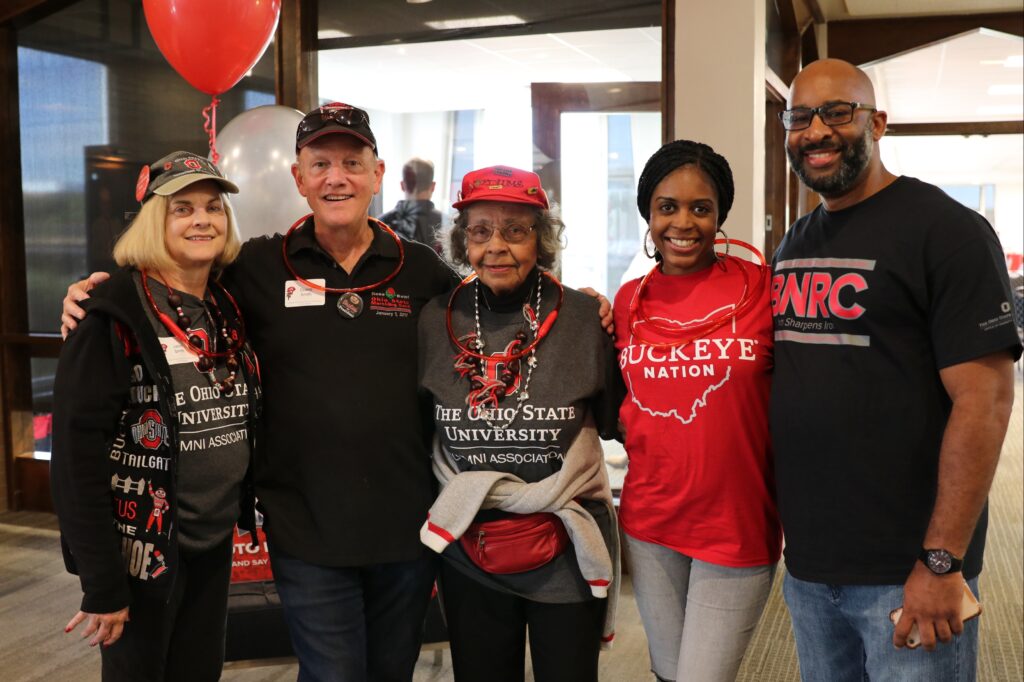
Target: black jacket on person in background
417,220
115,436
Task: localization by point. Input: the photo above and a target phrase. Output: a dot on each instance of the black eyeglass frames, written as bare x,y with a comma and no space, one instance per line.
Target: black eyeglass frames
831,114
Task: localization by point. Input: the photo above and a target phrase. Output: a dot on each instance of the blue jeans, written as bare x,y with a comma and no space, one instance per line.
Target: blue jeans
355,623
843,634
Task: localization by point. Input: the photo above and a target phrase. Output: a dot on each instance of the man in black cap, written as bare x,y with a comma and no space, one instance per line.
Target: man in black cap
343,475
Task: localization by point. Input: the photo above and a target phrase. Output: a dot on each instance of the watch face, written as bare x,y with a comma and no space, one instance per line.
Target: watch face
939,561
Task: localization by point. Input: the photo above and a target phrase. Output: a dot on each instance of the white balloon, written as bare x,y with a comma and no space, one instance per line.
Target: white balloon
257,149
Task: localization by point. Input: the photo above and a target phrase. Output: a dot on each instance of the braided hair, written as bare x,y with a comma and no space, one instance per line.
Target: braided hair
686,153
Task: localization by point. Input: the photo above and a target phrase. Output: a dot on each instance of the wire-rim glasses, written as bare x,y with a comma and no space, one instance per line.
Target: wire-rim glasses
512,233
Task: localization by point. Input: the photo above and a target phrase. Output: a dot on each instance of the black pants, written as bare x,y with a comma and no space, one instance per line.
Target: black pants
182,639
488,630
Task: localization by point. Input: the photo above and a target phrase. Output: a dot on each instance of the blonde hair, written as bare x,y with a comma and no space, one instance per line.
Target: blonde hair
142,244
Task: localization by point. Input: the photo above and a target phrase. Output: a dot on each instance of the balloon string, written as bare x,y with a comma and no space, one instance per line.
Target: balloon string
210,126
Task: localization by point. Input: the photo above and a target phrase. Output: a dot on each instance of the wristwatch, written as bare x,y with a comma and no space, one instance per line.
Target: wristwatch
940,561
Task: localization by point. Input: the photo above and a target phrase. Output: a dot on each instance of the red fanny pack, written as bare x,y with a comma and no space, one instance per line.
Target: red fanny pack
517,544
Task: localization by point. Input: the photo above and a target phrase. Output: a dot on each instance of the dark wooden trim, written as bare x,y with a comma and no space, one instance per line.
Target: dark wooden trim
776,172
809,45
34,478
963,128
39,345
15,371
862,41
549,100
15,8
668,71
791,42
295,60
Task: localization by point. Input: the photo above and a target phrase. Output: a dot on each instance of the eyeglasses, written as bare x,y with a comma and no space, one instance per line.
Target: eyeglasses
346,116
512,233
831,114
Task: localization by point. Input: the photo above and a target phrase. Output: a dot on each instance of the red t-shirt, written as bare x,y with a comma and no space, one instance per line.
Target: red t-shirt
700,475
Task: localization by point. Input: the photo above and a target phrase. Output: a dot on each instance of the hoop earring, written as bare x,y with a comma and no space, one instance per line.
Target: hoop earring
646,252
726,237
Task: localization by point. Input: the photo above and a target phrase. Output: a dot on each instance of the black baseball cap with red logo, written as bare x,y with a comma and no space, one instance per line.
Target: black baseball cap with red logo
334,118
175,172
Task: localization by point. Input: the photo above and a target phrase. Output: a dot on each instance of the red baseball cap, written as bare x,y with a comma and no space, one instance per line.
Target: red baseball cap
502,183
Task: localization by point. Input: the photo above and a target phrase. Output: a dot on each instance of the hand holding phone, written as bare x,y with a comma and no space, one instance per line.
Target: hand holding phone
969,608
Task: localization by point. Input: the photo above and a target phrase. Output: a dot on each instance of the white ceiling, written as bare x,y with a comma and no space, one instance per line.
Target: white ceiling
976,76
473,74
957,160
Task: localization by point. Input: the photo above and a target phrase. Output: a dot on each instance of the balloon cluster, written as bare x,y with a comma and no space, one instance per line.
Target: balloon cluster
212,44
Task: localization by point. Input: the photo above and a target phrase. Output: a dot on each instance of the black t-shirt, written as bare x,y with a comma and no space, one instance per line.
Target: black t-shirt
870,303
344,475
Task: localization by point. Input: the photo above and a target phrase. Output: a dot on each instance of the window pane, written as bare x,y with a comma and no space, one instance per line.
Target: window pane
97,101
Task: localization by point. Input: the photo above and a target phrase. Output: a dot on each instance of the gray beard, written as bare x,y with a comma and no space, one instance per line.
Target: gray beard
854,159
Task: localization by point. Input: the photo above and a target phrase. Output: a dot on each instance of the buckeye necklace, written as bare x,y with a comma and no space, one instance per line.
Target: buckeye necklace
687,333
486,392
194,343
350,304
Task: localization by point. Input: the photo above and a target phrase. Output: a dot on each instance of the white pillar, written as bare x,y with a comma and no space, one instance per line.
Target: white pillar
720,95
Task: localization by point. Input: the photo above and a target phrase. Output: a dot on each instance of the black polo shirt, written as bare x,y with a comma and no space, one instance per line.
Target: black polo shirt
343,475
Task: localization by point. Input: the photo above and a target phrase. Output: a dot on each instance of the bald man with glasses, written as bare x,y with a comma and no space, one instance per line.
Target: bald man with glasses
893,384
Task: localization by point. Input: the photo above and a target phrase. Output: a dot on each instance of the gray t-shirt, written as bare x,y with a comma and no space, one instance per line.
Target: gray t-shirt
213,450
573,365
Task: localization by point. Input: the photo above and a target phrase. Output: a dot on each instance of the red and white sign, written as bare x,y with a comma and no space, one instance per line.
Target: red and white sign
248,563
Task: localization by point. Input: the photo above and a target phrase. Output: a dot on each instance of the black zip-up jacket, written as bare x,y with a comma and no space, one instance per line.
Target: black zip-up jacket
115,446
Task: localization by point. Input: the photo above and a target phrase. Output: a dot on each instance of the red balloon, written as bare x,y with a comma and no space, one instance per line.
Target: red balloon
212,43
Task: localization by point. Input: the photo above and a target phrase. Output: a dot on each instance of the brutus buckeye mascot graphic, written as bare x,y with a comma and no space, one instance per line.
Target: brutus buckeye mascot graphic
160,506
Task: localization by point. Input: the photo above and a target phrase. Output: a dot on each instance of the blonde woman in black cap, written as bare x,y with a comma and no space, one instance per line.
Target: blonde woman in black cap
698,508
155,399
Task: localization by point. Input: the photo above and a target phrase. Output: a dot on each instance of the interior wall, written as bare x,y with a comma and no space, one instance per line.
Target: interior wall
719,97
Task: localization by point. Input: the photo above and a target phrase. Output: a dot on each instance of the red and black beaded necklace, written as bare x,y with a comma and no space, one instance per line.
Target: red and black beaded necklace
487,392
179,328
687,333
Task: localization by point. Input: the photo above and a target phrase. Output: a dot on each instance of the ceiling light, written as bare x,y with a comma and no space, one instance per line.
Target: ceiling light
332,33
417,2
1006,89
1014,61
1001,110
475,22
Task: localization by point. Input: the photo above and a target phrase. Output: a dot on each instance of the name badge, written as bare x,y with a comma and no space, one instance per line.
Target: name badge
176,352
298,295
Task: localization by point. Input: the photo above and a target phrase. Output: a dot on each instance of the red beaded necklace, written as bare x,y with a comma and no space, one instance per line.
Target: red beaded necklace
486,391
692,332
178,328
341,290
542,330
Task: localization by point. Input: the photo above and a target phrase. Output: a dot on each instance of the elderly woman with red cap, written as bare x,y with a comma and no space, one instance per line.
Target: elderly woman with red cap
155,399
521,377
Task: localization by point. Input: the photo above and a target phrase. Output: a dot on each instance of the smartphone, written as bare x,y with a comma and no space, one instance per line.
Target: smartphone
969,608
